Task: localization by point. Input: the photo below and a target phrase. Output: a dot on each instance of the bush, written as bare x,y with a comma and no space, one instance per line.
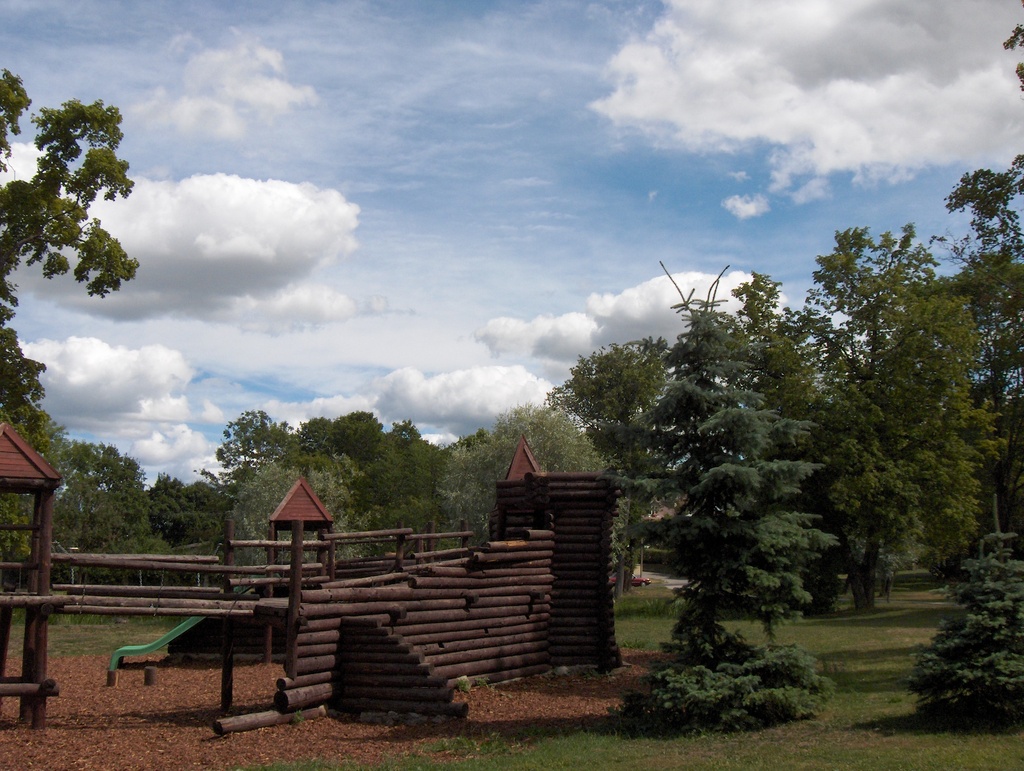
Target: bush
765,686
975,664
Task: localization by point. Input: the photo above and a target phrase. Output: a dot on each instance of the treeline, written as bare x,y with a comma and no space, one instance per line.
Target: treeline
368,476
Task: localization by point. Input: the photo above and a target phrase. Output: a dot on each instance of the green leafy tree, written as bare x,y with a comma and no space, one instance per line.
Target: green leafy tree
478,461
251,442
398,471
44,220
892,351
186,514
714,450
991,278
402,483
102,505
357,435
610,387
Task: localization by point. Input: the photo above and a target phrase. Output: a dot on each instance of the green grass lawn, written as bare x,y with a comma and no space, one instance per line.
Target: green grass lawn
74,635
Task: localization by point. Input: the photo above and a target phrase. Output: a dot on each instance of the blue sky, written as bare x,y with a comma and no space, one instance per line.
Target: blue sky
430,210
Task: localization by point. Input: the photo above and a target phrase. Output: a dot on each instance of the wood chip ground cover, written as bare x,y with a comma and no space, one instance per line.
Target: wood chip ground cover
166,726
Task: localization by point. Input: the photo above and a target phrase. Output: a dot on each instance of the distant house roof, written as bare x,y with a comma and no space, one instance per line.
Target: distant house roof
301,505
22,469
523,462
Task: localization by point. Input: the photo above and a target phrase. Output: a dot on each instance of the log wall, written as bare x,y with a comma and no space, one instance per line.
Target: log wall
580,508
403,646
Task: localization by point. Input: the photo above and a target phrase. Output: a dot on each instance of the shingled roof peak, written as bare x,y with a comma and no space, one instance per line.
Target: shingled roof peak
301,504
523,462
20,463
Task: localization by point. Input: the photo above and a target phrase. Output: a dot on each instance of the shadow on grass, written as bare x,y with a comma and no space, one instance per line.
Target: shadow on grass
860,671
882,616
925,724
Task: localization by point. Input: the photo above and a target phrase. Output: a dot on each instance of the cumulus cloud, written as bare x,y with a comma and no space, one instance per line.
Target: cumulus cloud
746,206
295,307
460,401
107,389
177,450
224,90
866,87
446,405
213,245
641,311
295,413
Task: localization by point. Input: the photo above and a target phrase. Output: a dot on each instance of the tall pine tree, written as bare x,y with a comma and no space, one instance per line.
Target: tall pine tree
719,458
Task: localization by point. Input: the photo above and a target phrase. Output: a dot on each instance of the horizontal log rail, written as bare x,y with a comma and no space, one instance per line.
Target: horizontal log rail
371,535
46,688
27,565
283,546
73,558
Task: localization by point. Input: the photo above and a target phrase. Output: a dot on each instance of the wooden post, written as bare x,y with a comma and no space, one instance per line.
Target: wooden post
322,554
399,550
227,663
229,536
6,616
227,642
294,601
34,658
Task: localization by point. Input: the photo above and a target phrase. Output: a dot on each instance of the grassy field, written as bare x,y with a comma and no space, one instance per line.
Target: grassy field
869,724
73,635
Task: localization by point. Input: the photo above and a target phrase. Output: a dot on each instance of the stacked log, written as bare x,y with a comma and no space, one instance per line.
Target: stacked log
400,642
581,508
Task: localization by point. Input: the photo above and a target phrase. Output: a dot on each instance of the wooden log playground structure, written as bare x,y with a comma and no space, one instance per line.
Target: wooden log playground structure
395,632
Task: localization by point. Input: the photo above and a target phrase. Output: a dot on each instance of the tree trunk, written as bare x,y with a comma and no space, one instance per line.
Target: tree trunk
861,576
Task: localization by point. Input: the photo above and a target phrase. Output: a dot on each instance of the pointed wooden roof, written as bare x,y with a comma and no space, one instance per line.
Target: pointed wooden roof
301,505
523,462
22,469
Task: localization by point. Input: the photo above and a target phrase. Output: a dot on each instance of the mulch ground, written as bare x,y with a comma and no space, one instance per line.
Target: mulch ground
168,725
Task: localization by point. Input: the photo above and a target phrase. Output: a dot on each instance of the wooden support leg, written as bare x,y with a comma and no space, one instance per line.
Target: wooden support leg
28,659
227,670
6,616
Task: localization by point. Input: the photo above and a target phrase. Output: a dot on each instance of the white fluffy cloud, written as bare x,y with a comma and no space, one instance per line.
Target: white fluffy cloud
867,86
295,413
224,90
641,311
176,450
214,246
295,307
450,403
107,389
746,206
459,401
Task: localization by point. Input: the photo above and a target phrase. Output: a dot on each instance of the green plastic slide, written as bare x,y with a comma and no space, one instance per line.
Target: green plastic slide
140,650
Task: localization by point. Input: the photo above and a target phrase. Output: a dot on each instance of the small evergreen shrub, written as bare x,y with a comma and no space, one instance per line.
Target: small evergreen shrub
768,685
975,665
